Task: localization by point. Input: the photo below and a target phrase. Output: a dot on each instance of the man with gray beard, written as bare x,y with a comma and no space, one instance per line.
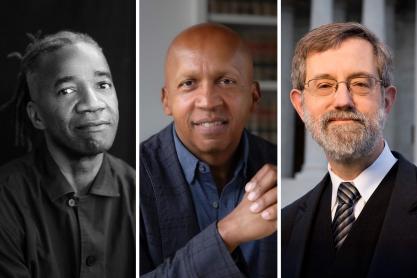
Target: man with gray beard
359,221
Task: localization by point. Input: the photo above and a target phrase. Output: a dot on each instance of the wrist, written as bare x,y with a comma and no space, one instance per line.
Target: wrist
226,231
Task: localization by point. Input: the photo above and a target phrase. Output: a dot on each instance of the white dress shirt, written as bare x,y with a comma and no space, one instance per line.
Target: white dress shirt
366,182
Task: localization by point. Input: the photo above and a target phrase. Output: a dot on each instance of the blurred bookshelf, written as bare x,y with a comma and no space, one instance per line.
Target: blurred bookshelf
256,22
244,19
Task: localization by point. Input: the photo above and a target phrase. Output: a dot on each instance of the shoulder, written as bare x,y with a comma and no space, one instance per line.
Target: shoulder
156,142
120,168
307,202
261,152
158,152
158,159
259,143
288,213
403,162
20,181
17,170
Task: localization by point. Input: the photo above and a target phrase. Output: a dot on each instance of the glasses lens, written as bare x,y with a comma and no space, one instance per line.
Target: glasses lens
322,87
361,85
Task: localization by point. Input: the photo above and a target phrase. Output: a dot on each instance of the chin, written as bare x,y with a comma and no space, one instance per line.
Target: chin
96,144
211,147
94,148
88,148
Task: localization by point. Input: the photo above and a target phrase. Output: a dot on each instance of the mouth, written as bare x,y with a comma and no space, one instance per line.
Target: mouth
210,127
209,123
92,126
343,120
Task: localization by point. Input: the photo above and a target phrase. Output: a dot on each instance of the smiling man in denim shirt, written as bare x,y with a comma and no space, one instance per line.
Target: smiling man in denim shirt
196,218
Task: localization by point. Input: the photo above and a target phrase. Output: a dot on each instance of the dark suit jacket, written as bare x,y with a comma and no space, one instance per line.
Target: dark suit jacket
395,254
171,244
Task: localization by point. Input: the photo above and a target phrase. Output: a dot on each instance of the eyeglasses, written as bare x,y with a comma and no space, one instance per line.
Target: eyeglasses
361,85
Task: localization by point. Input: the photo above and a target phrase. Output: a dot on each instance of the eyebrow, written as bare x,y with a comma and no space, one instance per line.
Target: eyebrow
63,79
350,76
70,78
361,73
102,73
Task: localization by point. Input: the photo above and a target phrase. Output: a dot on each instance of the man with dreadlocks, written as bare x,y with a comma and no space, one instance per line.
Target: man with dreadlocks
67,208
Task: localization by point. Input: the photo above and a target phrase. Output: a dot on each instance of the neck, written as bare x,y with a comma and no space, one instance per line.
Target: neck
221,174
79,171
349,170
221,166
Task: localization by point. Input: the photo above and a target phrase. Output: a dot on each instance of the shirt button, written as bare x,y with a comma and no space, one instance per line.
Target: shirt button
202,168
72,202
90,261
215,204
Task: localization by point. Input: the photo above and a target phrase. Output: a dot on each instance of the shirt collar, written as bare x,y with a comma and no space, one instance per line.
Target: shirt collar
56,185
189,161
105,183
52,179
367,181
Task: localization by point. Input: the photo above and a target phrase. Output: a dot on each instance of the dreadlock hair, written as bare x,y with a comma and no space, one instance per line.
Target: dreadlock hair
25,133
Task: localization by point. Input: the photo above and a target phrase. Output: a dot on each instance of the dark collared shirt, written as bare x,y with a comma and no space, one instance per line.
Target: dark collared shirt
45,231
212,205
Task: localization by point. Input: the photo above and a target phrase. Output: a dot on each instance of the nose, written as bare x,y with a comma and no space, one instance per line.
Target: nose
89,100
343,98
208,98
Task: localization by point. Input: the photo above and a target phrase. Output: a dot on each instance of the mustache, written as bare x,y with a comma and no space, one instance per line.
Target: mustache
342,115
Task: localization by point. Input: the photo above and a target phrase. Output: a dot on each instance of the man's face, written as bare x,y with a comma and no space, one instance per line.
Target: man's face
347,126
210,94
74,100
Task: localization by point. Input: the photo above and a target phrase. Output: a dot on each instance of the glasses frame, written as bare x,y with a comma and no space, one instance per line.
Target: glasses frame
347,82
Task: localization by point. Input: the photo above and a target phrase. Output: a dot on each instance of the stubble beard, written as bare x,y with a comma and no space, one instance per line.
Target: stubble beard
77,147
350,141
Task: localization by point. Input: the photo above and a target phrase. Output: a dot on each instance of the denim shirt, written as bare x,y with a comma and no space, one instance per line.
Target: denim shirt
210,204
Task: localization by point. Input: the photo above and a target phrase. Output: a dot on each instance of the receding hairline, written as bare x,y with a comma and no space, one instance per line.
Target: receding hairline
33,71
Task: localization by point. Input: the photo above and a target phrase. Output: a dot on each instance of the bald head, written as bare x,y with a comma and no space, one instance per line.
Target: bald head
209,90
210,40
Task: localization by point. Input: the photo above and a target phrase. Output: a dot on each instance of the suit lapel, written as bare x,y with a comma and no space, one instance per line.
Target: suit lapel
396,249
176,213
302,229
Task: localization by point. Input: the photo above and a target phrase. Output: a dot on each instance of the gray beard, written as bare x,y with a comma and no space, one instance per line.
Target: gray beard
347,142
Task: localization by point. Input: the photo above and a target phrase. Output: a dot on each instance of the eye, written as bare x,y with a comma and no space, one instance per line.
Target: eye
226,81
323,84
67,91
361,82
105,85
187,84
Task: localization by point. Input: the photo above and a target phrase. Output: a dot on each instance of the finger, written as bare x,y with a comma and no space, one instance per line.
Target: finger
266,200
252,183
270,213
268,181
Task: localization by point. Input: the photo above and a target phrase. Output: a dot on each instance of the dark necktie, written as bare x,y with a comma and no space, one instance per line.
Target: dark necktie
347,196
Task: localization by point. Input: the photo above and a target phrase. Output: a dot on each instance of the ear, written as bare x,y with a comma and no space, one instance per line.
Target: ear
389,99
256,94
296,100
34,115
165,102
